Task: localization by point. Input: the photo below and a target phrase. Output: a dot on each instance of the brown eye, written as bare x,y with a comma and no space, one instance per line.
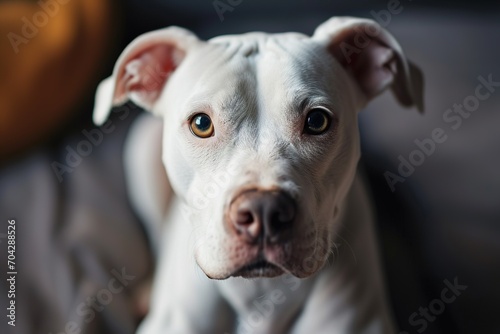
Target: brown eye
317,122
202,126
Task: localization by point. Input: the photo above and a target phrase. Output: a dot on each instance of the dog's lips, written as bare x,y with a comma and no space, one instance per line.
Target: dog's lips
259,268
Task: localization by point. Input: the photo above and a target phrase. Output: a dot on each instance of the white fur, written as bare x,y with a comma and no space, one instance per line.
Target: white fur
257,88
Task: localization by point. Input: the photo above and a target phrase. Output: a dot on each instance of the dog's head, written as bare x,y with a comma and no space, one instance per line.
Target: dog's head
260,133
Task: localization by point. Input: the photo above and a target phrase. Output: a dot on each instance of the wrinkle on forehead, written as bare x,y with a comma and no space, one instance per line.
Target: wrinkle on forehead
303,78
225,82
253,41
288,63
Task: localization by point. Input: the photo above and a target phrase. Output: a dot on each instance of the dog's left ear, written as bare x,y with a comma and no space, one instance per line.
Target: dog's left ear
373,57
143,69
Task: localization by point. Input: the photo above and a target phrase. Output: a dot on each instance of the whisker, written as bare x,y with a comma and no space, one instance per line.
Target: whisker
350,247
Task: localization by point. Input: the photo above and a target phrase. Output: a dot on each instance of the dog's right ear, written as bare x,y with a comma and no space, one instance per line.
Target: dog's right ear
142,70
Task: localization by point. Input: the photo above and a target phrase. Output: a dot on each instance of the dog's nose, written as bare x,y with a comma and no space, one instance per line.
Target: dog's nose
260,214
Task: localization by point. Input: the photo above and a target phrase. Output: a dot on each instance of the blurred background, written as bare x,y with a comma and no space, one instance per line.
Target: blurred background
76,230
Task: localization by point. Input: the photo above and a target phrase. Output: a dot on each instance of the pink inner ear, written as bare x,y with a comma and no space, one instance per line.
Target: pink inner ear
373,57
143,75
374,67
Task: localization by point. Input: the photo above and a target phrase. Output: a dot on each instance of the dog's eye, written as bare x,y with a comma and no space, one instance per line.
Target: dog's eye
317,122
202,126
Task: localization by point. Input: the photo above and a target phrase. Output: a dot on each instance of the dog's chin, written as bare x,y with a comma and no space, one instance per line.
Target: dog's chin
265,269
255,269
261,268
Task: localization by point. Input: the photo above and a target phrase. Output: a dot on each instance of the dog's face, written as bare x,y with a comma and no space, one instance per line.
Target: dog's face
260,139
261,142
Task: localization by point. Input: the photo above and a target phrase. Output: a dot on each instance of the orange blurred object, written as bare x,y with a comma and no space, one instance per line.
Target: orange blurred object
51,53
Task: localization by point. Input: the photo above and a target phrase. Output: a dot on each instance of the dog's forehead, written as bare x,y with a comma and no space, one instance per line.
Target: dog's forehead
256,41
238,72
286,49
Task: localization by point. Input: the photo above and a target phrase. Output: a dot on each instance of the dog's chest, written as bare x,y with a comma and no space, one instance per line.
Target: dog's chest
279,298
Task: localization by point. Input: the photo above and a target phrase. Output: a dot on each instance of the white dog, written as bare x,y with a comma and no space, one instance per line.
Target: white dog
270,228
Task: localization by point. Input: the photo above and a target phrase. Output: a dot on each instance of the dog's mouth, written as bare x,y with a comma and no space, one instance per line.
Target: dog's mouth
259,268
